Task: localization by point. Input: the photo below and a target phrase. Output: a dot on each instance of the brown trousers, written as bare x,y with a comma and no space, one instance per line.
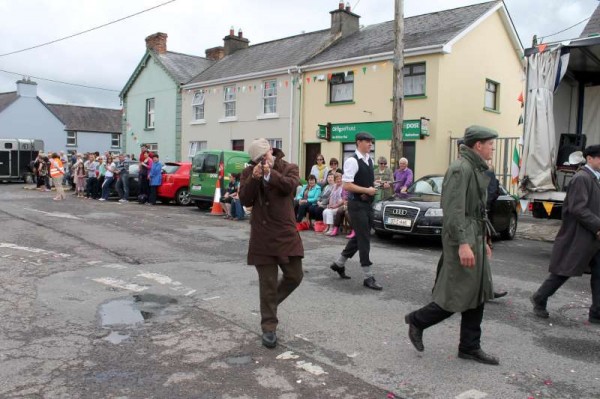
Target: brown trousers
273,292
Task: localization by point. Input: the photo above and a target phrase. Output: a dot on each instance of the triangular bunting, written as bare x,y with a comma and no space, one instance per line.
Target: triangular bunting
308,80
548,206
524,204
364,69
314,78
520,98
542,47
286,84
520,120
329,75
374,67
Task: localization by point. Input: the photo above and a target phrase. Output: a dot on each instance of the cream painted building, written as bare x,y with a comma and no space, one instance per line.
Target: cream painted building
462,66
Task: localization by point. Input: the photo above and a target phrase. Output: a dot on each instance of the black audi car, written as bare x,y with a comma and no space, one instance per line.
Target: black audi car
418,212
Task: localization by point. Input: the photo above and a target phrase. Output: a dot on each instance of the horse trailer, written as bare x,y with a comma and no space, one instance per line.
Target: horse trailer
16,157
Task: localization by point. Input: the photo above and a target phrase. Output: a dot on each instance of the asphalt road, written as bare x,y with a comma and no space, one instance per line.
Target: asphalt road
123,300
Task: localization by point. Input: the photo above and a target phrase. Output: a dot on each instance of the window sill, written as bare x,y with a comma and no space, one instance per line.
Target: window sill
71,145
198,122
148,129
228,119
495,111
267,116
339,103
412,98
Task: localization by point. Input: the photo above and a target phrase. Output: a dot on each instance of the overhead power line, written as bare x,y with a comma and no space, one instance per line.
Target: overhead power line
88,30
566,29
59,81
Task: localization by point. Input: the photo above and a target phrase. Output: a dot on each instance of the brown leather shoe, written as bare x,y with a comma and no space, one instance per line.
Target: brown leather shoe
339,270
479,356
415,334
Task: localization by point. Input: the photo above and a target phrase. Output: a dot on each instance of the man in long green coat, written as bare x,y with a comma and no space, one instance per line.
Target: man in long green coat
464,278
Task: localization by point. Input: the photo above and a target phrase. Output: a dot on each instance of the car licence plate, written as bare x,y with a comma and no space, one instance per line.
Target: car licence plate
399,222
196,188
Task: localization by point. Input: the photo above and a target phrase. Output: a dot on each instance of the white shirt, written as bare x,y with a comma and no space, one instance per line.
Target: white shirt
351,166
597,174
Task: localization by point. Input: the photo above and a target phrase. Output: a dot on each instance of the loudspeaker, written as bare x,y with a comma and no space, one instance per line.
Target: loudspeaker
568,144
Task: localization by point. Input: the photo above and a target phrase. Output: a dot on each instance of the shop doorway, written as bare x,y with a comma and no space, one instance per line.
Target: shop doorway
311,150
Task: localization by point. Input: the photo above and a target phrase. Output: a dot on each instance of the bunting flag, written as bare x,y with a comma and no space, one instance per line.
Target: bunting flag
286,84
524,204
542,47
314,78
515,166
374,66
548,206
329,75
308,80
364,69
521,120
520,99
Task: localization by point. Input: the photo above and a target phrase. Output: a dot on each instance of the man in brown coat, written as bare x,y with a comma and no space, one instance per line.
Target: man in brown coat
268,185
577,244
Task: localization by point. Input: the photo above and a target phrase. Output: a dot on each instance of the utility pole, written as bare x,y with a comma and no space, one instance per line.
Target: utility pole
398,110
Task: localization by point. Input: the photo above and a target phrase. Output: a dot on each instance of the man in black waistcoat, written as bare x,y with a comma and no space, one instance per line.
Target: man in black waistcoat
359,179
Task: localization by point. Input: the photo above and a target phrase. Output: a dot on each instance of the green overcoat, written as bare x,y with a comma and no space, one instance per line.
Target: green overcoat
464,193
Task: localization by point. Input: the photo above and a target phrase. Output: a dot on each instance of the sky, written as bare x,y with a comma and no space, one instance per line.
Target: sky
107,57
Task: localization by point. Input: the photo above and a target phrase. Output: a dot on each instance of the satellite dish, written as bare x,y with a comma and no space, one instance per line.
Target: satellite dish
576,158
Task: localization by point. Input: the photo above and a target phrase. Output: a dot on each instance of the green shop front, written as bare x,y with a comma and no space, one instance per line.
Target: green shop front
344,133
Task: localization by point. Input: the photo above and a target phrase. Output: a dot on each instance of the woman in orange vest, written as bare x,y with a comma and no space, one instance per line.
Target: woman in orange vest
56,173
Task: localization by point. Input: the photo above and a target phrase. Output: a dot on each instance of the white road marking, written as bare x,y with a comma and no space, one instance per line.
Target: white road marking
471,394
94,262
159,278
115,266
211,298
55,214
114,282
29,249
311,368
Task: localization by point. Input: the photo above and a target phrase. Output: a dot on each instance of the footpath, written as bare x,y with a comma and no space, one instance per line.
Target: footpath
531,228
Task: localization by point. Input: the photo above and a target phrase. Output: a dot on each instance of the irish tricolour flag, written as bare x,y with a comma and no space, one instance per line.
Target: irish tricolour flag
514,168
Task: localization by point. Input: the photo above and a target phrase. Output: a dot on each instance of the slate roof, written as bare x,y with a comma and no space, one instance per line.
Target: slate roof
437,28
7,98
88,119
289,51
593,25
183,67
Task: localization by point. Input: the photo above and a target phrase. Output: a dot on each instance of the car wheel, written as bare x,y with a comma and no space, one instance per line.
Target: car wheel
383,234
511,230
182,197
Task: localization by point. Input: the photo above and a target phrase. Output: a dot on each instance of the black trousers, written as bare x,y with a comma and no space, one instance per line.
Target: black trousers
470,323
361,220
554,282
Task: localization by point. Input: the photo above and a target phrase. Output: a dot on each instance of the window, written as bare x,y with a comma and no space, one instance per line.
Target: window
341,87
195,147
349,150
491,95
115,140
150,113
205,163
198,106
275,143
152,147
71,138
414,79
270,97
237,145
229,101
8,146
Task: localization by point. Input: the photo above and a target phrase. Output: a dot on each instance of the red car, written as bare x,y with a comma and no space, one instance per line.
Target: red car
175,183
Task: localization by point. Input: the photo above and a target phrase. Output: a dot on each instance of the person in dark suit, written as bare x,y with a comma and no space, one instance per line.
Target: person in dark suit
577,245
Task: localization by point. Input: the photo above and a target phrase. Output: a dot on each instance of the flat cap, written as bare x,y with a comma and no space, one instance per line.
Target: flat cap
592,151
476,133
364,136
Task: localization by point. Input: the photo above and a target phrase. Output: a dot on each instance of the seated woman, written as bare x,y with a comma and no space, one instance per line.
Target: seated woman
308,195
231,201
336,201
316,211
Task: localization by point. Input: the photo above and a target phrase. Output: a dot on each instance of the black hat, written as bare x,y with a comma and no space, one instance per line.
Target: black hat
592,151
364,136
476,133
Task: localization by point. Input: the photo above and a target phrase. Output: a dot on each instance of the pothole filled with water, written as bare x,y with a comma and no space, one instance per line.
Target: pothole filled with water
134,310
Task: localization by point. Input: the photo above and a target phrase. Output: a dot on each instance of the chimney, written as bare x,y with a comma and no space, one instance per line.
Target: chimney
215,53
157,42
26,88
343,21
233,43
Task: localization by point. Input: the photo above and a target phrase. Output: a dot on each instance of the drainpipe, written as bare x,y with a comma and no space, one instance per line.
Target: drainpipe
291,113
301,107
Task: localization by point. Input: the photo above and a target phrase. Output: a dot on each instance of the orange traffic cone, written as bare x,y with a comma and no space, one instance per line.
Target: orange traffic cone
217,209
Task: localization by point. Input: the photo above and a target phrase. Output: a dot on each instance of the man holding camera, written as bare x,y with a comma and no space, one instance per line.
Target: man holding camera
359,181
268,185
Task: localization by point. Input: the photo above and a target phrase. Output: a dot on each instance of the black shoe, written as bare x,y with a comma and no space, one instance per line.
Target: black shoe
539,310
269,339
414,334
372,284
339,270
500,294
479,356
